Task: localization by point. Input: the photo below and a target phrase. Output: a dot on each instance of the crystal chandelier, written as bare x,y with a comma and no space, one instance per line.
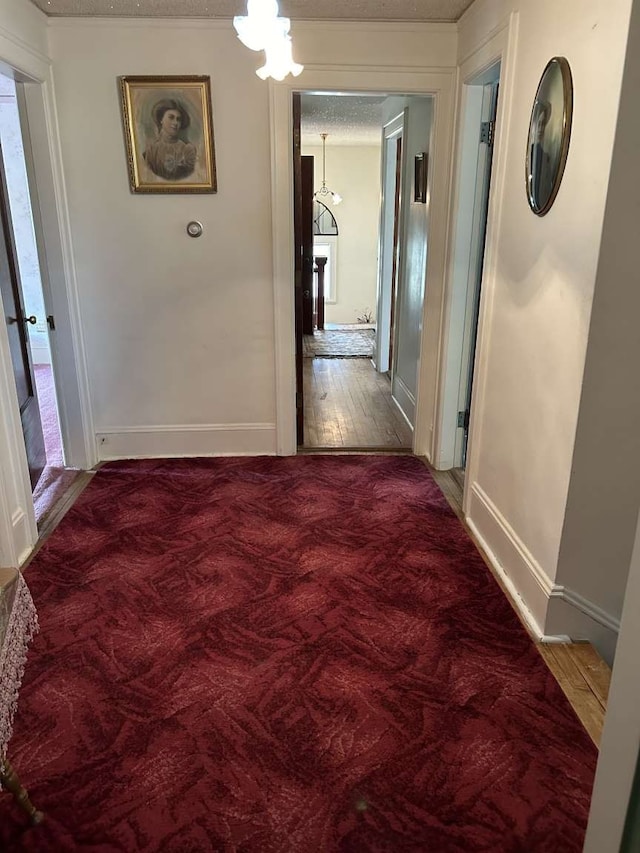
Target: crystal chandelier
262,29
324,192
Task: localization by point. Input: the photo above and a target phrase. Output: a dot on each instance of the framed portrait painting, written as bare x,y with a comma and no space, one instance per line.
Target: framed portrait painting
168,132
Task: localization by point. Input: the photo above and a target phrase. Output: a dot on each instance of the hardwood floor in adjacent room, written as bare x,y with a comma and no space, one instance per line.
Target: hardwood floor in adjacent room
348,404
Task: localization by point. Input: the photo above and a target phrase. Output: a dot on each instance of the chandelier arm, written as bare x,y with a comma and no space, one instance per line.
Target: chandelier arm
324,191
324,158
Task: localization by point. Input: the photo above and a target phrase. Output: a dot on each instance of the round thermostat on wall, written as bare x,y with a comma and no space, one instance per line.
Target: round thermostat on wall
194,229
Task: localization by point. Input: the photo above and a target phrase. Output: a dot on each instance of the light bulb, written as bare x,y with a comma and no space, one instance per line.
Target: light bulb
263,29
279,60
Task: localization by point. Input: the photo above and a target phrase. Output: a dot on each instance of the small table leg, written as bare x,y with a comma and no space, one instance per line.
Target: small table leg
9,780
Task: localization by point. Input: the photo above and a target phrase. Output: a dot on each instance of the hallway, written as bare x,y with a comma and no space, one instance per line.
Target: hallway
348,404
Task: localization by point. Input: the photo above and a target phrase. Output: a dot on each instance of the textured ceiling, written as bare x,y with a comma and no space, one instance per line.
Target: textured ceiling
346,10
347,119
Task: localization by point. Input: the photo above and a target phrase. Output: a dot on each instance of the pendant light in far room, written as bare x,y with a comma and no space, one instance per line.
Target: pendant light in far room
324,192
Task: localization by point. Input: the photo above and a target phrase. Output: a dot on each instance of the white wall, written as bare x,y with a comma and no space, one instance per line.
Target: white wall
620,744
538,285
354,172
179,332
616,308
604,491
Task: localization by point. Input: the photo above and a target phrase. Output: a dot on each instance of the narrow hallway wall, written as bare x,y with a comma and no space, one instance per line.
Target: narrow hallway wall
540,274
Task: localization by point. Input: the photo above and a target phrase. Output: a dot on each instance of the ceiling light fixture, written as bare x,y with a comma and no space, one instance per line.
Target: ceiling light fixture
262,29
324,191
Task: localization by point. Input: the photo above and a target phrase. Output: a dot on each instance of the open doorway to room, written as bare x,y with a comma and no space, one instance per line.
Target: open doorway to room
27,319
479,112
357,361
487,98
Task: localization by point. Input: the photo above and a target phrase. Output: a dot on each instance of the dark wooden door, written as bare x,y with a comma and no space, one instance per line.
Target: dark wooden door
307,245
16,321
303,247
297,219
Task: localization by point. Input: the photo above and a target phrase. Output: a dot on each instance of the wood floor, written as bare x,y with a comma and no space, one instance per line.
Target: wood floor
584,677
347,404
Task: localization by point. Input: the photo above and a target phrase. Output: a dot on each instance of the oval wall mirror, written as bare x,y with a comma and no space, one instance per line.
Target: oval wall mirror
549,132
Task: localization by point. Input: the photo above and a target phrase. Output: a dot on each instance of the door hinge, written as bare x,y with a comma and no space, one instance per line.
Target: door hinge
51,322
463,420
487,132
298,400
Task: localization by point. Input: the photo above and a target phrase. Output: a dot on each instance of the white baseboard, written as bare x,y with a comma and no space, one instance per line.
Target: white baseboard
564,613
586,607
186,440
17,536
22,535
583,620
405,400
526,581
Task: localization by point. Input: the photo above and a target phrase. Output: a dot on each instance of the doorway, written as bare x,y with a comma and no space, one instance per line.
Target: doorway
488,111
351,389
28,320
478,137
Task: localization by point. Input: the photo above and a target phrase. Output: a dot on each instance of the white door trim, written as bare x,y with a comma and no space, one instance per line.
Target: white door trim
424,81
502,47
59,286
391,133
18,531
499,47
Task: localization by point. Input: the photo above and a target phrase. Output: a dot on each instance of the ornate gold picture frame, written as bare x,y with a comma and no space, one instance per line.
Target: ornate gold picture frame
168,132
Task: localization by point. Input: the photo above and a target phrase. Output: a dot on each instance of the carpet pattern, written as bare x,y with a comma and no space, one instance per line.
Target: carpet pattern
300,654
339,343
55,480
49,414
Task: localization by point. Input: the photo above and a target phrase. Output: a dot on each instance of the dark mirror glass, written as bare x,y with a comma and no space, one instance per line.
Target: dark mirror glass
324,222
549,132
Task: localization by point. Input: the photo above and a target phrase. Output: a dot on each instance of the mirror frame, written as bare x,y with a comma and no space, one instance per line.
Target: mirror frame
567,115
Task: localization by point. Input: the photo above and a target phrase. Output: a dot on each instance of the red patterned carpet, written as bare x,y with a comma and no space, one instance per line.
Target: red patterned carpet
302,654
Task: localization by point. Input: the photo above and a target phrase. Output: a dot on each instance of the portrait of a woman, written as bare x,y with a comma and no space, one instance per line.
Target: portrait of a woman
171,155
169,134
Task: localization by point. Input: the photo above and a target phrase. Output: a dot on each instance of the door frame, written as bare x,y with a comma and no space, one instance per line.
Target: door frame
499,49
483,92
28,404
440,84
18,531
392,132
